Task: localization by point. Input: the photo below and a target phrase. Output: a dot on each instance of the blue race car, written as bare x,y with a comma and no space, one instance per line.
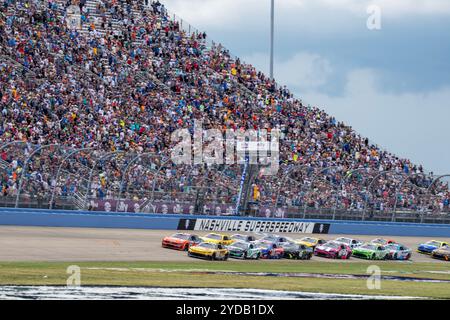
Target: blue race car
431,245
270,250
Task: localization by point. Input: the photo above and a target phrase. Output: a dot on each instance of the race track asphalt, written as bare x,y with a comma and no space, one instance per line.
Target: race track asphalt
84,244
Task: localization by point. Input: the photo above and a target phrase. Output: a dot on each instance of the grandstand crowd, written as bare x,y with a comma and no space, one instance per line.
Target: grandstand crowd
130,75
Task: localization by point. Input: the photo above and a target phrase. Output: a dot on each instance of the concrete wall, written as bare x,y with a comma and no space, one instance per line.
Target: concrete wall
62,218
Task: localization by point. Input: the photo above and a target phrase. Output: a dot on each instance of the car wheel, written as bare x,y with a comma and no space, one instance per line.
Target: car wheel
395,256
186,247
213,257
386,257
349,255
408,256
258,255
373,256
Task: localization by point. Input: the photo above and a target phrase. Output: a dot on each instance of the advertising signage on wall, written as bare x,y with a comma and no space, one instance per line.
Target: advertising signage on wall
236,225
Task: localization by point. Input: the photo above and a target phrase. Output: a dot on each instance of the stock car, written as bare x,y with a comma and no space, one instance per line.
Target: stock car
243,237
352,243
398,251
243,250
431,245
208,250
216,238
441,253
272,238
333,250
371,251
381,241
292,250
180,241
310,242
270,250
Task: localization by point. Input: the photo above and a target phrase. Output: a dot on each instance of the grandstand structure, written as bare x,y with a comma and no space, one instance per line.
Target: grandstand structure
87,113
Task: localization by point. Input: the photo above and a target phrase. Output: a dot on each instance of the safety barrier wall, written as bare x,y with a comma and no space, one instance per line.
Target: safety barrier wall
88,219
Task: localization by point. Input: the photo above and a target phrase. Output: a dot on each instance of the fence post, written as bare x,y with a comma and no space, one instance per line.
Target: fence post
125,171
95,164
59,170
25,167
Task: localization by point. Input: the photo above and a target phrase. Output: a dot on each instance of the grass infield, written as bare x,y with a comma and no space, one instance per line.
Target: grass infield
191,274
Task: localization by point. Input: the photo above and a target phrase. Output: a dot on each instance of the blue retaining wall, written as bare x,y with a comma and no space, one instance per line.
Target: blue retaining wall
76,219
88,219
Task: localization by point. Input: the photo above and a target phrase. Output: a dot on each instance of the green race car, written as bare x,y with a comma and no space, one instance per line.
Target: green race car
371,251
243,250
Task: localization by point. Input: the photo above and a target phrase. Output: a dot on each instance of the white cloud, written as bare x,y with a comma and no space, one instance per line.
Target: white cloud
390,7
411,125
225,13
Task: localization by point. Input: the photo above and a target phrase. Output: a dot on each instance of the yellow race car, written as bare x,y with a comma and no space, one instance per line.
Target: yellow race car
310,242
210,251
217,239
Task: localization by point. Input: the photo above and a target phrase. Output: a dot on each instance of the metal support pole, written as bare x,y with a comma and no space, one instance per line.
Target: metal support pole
272,35
25,167
154,180
125,172
312,184
344,179
59,170
382,173
398,190
95,164
431,186
290,171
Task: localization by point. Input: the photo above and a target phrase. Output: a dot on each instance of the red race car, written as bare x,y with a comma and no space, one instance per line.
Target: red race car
333,250
181,241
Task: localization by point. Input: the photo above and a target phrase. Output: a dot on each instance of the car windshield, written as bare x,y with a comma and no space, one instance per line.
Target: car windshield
207,245
213,236
264,245
181,236
270,238
238,236
433,243
240,245
332,245
310,240
345,240
379,241
392,246
369,247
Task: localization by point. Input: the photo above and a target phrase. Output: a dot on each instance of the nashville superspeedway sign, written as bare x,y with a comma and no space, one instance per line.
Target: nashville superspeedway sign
236,225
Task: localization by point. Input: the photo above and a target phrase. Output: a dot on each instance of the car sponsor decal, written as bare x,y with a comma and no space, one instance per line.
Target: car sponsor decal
233,225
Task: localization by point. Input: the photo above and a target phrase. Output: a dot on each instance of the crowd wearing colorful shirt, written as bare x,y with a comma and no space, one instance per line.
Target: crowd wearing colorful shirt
131,76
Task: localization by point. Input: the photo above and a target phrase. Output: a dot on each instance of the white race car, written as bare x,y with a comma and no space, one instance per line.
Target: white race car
352,243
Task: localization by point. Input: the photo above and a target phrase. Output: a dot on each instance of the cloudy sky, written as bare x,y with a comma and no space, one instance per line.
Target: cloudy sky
392,84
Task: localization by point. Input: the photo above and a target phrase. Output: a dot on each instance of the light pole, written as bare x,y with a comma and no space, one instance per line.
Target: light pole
272,34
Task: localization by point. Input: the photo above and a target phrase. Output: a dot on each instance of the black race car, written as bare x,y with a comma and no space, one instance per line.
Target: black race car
294,250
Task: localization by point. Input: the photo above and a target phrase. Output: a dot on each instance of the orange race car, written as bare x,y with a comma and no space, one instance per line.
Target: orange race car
181,241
